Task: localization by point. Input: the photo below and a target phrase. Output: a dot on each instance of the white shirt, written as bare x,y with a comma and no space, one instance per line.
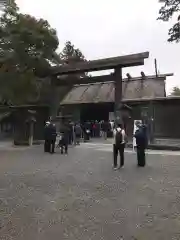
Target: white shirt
123,135
112,124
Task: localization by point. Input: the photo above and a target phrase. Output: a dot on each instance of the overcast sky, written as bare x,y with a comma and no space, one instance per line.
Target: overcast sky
105,28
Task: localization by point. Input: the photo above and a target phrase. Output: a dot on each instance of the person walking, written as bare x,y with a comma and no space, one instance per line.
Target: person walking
118,145
141,144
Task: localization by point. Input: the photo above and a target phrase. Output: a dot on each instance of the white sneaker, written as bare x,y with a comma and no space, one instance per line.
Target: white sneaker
115,168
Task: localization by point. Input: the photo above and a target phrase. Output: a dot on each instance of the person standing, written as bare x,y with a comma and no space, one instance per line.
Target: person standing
71,133
46,138
94,129
112,127
87,131
118,145
78,132
52,137
64,141
141,144
97,129
104,127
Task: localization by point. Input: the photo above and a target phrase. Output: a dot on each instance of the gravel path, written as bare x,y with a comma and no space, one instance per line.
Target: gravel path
79,196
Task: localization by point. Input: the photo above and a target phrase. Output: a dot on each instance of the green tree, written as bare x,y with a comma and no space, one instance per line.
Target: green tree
70,54
169,9
27,49
175,91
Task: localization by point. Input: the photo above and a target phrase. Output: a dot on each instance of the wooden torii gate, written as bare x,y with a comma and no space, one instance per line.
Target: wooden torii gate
116,63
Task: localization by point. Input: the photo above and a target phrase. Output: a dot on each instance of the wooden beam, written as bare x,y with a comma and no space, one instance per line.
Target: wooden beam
87,80
102,64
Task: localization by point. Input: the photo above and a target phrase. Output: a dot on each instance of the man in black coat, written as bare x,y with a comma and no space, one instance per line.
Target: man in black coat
141,142
50,138
78,133
46,138
64,141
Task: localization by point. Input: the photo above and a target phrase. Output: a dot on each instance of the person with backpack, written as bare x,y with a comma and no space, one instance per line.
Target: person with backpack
119,145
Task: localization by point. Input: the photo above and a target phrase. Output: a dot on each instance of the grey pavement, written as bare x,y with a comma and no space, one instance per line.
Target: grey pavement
79,196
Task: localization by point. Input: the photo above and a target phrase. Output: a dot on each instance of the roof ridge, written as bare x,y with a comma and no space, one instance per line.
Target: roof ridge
160,78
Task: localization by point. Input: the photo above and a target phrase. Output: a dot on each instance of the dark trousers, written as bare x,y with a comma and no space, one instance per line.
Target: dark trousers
64,148
118,149
46,146
63,144
70,138
52,146
141,158
78,137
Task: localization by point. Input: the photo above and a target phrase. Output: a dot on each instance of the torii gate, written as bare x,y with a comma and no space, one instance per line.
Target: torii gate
116,63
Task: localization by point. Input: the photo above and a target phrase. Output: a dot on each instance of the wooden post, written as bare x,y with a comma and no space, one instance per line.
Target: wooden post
118,94
58,91
156,69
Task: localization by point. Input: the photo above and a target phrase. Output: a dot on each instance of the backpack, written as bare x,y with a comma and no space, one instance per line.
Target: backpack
78,130
118,137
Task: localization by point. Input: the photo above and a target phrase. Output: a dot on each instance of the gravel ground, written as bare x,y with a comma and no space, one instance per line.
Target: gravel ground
79,196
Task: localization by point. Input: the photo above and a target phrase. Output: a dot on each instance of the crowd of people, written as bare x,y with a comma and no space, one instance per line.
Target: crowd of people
72,133
99,129
89,129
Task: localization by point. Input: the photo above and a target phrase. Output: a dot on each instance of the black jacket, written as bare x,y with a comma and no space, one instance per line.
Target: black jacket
50,132
141,137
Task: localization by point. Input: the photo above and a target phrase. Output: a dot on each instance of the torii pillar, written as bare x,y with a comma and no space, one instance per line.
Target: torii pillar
118,94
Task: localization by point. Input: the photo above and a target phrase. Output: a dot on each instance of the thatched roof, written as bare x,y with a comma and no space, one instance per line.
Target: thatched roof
136,88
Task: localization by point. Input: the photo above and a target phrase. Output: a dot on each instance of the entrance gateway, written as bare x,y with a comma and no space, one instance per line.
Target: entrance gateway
64,76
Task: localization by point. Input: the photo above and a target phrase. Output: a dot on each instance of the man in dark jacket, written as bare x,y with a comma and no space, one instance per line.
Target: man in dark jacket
64,141
46,138
141,142
77,131
52,137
